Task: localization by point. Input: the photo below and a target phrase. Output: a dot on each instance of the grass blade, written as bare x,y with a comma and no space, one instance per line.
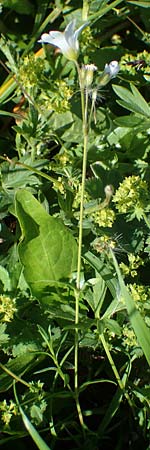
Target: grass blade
40,443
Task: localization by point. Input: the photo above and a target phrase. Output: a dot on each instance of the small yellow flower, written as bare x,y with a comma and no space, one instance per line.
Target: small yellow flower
104,217
132,194
7,308
129,337
8,410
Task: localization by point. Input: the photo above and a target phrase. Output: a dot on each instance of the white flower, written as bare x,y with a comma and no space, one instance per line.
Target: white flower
112,69
66,41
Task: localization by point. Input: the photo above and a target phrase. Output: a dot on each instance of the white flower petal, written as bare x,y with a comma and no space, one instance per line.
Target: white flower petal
67,41
44,38
69,30
112,69
78,31
56,34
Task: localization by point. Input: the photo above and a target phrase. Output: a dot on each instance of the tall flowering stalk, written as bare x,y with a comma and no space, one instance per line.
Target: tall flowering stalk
67,42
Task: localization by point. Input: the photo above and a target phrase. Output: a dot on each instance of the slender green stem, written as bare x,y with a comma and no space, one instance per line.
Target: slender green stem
114,368
85,9
13,375
32,169
84,106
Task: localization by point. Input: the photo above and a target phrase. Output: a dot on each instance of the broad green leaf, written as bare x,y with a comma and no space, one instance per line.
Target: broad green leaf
137,322
48,251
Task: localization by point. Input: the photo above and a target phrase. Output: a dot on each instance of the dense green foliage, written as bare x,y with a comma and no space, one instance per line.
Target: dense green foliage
69,377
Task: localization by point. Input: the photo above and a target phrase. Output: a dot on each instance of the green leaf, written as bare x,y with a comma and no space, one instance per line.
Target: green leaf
95,299
4,337
132,101
137,322
7,113
24,7
48,251
18,366
33,432
4,278
130,121
104,270
144,3
111,411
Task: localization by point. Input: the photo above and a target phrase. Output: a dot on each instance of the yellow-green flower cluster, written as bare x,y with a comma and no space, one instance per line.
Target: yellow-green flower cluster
36,387
131,194
59,186
56,100
8,410
132,63
139,293
30,71
87,40
129,337
134,263
104,217
103,244
7,308
63,158
77,198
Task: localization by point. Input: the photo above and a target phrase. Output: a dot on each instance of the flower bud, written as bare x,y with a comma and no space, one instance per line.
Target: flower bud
110,71
87,74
